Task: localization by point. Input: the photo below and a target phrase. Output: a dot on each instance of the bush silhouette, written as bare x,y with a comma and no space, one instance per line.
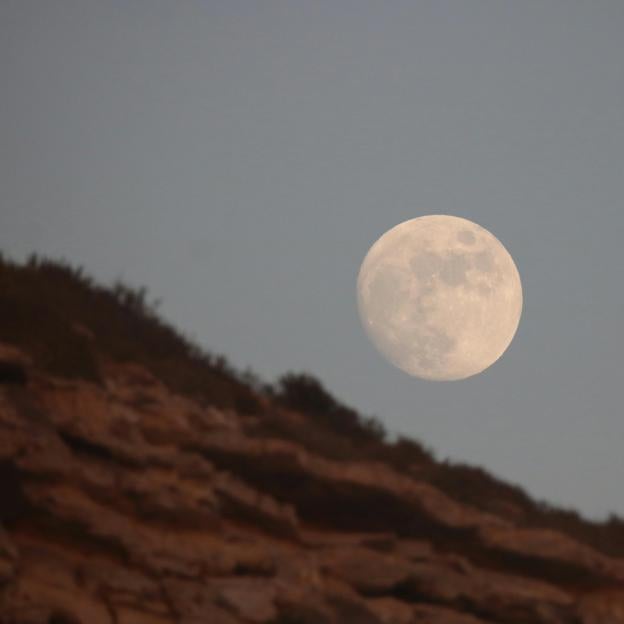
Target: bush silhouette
304,393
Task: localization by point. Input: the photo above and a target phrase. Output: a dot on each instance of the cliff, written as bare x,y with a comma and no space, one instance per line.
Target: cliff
124,500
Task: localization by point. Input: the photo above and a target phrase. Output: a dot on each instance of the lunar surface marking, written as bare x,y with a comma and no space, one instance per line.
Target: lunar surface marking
440,297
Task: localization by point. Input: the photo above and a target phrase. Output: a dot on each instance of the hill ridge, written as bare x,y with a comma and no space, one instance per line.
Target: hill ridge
130,495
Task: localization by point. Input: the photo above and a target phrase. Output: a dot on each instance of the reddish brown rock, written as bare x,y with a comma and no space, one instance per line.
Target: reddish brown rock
602,607
8,558
15,365
431,614
449,580
122,503
392,611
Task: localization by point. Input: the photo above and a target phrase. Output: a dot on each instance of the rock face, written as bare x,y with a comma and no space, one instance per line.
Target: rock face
123,503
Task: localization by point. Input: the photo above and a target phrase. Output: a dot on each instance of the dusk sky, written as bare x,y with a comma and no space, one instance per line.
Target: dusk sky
239,158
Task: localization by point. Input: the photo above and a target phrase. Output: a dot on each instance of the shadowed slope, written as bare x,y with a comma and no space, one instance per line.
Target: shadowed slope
129,494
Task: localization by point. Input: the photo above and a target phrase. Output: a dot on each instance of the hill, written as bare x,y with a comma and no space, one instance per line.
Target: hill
144,480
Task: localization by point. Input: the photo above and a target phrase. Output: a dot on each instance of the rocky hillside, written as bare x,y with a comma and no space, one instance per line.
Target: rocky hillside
128,497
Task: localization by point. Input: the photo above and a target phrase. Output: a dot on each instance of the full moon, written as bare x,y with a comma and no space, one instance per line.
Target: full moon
440,297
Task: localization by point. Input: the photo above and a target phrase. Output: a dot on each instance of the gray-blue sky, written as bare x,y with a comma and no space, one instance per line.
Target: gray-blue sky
239,158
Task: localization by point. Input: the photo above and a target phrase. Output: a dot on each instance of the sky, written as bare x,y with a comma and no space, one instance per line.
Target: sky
239,158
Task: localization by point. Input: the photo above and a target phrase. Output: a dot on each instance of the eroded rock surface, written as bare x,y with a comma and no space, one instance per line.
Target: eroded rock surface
122,503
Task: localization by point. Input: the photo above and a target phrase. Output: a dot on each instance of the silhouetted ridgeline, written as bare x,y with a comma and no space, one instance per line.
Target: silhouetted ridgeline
66,322
63,319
